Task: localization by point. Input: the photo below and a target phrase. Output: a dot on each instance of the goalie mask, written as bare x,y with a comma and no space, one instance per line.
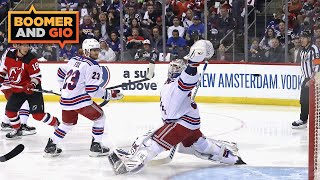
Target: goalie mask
175,68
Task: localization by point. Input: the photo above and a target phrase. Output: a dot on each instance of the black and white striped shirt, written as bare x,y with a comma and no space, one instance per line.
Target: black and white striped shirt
307,55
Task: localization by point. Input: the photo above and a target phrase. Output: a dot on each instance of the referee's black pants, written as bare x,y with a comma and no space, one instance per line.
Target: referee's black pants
304,100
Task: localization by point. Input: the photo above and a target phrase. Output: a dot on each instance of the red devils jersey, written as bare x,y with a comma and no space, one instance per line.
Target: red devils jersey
19,70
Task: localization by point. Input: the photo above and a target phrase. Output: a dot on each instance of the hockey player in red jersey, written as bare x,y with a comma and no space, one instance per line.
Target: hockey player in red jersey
23,112
23,71
181,121
79,81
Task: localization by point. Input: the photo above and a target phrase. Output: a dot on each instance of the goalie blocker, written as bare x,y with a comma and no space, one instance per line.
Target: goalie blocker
181,121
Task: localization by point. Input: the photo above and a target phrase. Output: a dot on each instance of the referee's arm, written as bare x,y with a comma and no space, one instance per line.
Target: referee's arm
316,57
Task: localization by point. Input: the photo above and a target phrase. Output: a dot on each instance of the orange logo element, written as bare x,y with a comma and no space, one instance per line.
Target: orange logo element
43,27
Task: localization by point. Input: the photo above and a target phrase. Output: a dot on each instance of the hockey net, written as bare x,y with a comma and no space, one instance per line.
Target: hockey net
314,128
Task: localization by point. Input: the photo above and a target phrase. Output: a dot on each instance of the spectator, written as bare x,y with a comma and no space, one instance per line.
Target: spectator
83,11
181,7
294,52
67,52
274,23
193,38
265,43
131,15
95,15
114,43
134,4
225,22
316,34
134,41
69,5
176,26
86,29
307,7
187,21
159,25
146,54
156,40
106,53
4,7
169,17
221,53
157,8
115,5
295,7
102,25
149,18
176,44
255,53
134,24
96,34
49,52
276,52
198,7
112,23
196,26
281,35
101,7
317,42
36,49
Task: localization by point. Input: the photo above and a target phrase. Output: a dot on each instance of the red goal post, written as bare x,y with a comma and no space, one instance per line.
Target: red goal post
314,126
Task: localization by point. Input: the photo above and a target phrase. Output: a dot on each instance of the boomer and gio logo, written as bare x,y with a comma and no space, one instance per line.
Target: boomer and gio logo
43,26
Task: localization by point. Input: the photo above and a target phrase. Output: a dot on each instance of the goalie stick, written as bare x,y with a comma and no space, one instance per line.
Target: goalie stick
14,152
149,76
169,158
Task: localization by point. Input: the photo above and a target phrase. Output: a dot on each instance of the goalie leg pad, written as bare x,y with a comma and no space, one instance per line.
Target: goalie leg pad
123,163
206,149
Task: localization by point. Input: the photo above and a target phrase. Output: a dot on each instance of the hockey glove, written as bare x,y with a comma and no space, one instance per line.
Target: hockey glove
29,86
113,95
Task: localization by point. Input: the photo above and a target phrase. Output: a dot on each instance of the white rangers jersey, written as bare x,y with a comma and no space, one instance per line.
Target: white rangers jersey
3,57
79,81
176,104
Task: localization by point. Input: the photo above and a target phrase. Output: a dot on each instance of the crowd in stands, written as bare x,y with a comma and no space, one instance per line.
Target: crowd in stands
184,24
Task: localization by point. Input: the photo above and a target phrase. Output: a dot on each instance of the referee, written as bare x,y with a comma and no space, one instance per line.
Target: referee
307,54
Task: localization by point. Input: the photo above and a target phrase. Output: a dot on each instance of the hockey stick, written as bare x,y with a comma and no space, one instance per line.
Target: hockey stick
14,152
168,159
35,90
149,76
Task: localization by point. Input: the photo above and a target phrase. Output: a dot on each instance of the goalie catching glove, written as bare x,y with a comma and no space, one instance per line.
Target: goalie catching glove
112,95
199,51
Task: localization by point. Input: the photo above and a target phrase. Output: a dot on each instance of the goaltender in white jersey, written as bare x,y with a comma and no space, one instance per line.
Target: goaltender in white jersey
80,80
181,121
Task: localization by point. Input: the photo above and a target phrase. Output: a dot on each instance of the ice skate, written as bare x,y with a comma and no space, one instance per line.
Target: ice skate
14,134
5,127
27,130
51,150
97,149
299,124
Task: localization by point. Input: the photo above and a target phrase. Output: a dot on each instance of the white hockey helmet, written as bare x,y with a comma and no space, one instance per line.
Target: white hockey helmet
89,44
175,68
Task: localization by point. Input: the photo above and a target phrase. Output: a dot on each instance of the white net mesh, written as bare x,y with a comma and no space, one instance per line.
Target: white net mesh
316,126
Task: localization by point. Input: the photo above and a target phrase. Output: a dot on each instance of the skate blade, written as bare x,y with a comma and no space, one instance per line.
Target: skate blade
28,133
299,127
98,154
49,155
14,138
6,129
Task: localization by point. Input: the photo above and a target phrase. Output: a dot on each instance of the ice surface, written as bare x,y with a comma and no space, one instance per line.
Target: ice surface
263,134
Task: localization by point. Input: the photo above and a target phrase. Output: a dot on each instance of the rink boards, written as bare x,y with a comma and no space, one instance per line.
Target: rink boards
222,83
